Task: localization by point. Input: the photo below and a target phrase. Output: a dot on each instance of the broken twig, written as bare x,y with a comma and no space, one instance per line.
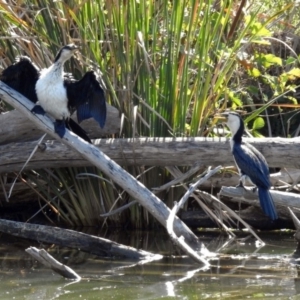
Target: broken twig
49,261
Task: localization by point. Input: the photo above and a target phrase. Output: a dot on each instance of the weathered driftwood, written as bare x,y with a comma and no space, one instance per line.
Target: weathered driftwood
178,240
282,199
16,128
72,239
136,189
149,152
49,261
282,178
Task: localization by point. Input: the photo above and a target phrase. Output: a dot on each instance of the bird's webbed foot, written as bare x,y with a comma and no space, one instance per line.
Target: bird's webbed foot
60,127
37,109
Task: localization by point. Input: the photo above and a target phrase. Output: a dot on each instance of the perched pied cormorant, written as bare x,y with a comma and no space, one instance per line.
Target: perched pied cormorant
58,93
251,163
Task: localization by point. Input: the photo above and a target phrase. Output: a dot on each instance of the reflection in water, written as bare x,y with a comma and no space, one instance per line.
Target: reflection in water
242,271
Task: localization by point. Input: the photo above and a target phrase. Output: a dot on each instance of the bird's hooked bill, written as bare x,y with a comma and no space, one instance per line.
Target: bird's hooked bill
221,116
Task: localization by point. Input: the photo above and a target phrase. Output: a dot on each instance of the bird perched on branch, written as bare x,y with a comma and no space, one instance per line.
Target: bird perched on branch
251,163
58,93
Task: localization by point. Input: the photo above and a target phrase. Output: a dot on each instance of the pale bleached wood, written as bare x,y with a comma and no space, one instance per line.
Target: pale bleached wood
14,126
178,240
150,152
135,188
281,178
280,198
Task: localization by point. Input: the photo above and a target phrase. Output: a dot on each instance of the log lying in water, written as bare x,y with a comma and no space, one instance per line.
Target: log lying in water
72,239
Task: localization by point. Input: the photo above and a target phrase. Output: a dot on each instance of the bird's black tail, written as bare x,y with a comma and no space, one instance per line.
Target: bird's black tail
267,203
77,129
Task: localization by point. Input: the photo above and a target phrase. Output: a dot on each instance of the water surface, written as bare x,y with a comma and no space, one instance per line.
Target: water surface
244,270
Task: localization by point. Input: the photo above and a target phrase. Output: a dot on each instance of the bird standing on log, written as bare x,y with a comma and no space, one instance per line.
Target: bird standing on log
58,93
251,163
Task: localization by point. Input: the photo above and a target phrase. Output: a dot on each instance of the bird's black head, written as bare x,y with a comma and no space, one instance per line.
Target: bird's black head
65,53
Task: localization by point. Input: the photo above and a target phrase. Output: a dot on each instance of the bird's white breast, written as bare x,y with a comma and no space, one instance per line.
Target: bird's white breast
51,93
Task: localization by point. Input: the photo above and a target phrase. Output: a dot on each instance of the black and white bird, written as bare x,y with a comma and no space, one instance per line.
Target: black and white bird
58,93
251,163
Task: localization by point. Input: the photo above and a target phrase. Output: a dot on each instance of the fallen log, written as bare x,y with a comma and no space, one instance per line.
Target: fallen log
72,239
251,197
149,152
16,128
136,189
282,199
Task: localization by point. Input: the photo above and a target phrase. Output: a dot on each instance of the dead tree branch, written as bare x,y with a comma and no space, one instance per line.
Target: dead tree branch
136,189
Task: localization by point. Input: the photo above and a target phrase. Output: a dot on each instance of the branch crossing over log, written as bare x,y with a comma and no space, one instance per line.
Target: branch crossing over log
136,189
148,152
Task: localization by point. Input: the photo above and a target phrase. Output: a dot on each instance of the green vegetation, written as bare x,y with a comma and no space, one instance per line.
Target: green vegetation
168,66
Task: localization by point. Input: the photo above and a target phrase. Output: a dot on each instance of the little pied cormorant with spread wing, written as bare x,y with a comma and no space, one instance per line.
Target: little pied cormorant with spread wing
251,163
58,93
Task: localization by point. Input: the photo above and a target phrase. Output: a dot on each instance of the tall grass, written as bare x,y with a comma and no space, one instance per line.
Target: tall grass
168,66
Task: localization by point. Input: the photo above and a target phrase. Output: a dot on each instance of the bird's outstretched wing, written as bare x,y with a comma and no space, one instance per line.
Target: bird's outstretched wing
22,77
253,164
87,96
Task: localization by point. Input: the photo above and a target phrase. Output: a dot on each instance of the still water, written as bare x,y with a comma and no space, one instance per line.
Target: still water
244,271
